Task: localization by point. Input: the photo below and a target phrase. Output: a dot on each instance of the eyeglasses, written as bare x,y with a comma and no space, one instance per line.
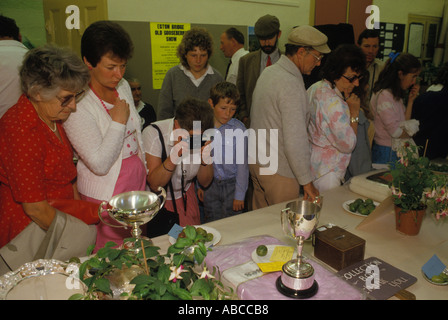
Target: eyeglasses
319,59
65,101
353,79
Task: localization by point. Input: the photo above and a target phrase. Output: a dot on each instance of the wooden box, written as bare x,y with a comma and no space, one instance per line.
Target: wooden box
337,247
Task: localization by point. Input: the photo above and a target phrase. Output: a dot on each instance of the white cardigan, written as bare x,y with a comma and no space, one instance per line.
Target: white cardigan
98,141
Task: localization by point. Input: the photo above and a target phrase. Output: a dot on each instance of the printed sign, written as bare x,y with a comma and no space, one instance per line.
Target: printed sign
377,278
165,37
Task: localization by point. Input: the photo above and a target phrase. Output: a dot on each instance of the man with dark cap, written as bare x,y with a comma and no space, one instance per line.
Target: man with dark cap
280,112
267,30
12,52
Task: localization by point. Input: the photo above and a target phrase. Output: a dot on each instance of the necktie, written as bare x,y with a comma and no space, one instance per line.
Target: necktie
269,62
228,67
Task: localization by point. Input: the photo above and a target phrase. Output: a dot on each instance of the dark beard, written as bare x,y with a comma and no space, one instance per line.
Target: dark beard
269,49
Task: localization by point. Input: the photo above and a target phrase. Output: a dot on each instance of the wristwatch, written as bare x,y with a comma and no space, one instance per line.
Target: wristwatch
354,120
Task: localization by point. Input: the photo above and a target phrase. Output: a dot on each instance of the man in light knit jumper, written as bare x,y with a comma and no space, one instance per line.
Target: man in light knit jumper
193,77
280,103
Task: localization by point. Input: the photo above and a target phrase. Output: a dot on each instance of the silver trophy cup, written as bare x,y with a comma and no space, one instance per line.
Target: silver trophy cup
299,220
133,209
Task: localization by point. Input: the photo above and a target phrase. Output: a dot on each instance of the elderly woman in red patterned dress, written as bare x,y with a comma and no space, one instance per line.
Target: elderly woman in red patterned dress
36,160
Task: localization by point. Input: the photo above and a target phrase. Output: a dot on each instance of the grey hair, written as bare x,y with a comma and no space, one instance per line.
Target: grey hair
48,69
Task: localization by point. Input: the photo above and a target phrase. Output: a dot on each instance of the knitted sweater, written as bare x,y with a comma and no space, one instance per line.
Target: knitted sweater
177,86
99,143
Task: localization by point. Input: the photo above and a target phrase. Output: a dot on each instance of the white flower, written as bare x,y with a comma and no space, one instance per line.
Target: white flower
175,273
205,274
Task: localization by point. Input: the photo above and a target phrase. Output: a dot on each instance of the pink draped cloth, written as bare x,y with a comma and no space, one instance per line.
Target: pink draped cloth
132,177
331,287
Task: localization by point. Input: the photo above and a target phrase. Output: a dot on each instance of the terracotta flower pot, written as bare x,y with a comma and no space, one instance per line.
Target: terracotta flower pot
409,222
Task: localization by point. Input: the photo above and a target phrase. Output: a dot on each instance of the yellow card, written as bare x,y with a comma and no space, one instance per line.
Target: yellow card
282,253
271,266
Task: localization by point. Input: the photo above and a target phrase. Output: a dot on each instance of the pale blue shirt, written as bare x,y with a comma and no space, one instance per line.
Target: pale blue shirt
230,160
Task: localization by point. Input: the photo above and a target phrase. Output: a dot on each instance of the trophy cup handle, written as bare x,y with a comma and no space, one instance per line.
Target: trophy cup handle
162,195
100,210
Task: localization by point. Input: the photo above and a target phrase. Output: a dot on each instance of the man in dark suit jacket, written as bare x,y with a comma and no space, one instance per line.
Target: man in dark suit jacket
267,30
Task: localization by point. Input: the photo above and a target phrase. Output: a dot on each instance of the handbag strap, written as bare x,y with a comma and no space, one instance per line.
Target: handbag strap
164,156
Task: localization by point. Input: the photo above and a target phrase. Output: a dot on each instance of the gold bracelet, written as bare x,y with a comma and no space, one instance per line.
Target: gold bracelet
163,164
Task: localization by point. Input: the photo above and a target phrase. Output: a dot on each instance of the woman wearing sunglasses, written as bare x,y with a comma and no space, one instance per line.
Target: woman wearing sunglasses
105,131
36,158
335,116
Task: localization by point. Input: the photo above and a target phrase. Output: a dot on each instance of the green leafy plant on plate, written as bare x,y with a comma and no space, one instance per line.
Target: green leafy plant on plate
181,273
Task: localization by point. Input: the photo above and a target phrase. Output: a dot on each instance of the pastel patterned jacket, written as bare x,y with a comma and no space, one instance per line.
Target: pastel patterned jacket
332,139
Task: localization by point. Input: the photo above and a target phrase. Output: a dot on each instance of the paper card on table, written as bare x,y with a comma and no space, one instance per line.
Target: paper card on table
175,230
383,209
271,266
433,267
282,253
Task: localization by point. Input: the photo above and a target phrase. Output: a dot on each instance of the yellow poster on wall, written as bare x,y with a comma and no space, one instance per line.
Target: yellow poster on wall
165,37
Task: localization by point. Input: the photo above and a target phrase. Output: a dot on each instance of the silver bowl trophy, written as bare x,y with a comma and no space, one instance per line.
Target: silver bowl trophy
133,209
299,220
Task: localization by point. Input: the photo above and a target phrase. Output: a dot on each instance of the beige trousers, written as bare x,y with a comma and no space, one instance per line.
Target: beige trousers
271,189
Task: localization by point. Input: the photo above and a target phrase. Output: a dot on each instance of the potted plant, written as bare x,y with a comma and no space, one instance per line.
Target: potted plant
181,273
436,196
411,176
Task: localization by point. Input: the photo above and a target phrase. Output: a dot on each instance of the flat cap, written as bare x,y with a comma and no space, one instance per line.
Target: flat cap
309,37
267,27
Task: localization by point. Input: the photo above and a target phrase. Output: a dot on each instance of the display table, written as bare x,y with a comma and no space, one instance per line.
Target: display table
408,253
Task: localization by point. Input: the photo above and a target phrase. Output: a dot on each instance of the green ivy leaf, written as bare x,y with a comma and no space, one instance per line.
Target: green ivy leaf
183,242
202,247
142,279
182,294
190,232
163,274
172,249
198,255
76,296
103,285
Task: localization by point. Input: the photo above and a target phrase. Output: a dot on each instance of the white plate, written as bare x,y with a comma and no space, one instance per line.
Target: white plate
267,258
346,205
213,231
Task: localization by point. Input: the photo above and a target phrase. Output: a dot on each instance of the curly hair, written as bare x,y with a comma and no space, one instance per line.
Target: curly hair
346,55
195,37
48,69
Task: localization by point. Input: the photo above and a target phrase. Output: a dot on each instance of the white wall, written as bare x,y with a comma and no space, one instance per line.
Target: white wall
210,12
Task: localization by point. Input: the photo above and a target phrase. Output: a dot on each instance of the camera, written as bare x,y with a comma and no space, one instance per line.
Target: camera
195,138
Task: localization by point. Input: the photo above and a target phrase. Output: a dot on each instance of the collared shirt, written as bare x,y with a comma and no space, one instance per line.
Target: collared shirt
190,75
11,57
374,71
230,159
264,58
235,61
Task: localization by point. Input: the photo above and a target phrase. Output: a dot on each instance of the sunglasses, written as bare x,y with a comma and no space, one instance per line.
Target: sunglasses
65,101
353,79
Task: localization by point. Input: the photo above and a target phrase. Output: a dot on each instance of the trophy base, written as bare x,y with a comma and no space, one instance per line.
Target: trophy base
297,294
